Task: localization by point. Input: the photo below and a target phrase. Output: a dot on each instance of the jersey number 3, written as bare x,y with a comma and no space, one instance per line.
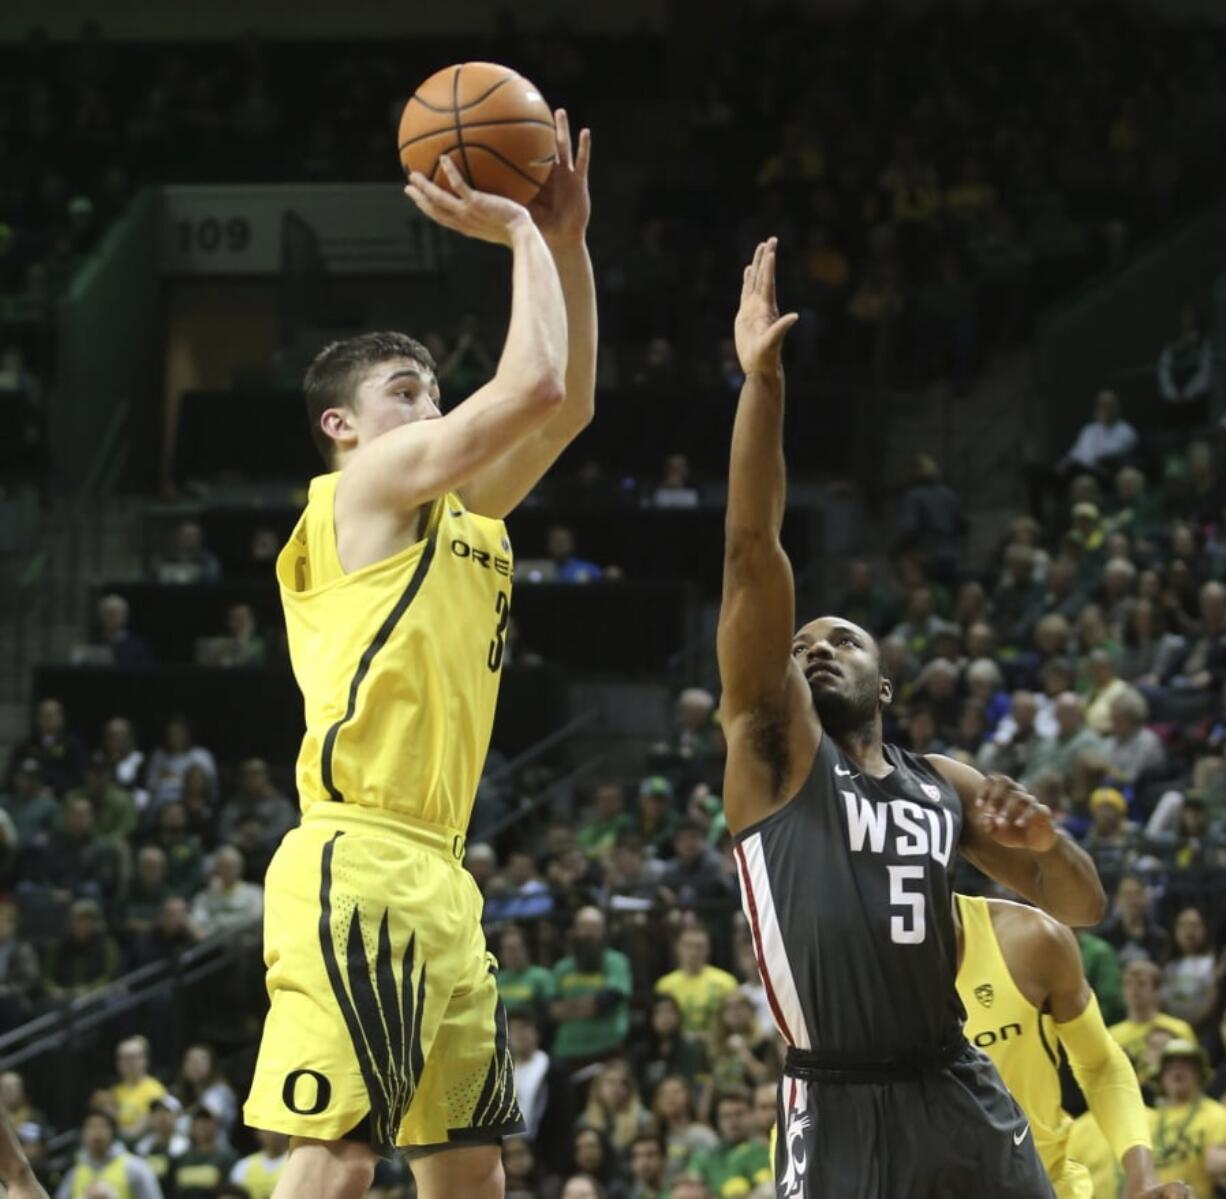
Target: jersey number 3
908,926
498,646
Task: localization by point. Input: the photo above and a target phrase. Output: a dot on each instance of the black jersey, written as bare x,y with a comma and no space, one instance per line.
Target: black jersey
847,891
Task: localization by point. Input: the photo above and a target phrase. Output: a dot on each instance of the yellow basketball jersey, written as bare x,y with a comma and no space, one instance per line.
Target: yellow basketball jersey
1020,1040
398,662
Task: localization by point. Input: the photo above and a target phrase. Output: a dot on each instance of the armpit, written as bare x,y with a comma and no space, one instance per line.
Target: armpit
769,739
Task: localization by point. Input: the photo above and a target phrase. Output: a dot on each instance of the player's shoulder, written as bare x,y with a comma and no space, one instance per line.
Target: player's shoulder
1025,932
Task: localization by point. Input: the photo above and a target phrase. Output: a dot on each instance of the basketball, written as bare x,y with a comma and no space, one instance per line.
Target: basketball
493,124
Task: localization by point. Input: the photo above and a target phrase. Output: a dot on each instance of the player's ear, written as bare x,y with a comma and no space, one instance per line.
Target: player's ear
885,692
337,423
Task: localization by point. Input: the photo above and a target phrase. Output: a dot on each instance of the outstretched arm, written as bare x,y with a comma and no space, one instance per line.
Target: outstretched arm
1010,836
561,213
15,1170
757,611
1101,1067
419,461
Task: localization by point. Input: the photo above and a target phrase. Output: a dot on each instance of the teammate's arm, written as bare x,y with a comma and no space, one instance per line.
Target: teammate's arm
757,611
1010,836
560,211
419,461
15,1170
1101,1067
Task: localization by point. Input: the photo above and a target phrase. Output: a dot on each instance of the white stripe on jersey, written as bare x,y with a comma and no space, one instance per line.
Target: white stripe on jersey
772,954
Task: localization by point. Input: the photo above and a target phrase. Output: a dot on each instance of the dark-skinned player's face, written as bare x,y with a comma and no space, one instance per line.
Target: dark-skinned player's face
841,664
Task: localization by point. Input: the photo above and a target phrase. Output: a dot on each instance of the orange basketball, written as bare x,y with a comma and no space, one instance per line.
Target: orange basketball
492,123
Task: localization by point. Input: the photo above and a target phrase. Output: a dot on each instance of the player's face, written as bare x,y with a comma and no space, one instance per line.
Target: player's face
394,393
841,664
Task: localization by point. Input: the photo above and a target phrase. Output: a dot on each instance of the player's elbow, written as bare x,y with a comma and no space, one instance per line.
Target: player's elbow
544,393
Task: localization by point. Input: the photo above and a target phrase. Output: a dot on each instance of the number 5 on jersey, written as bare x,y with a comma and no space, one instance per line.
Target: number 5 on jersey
498,646
907,927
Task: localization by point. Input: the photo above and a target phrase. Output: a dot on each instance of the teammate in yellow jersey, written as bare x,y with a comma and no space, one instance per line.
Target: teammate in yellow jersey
385,1029
1021,981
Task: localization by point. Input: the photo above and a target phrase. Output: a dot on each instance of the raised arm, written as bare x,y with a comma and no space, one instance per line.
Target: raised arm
15,1170
758,607
419,461
1010,836
561,211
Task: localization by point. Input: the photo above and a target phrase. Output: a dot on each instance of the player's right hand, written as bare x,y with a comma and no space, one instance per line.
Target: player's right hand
480,215
759,330
1164,1190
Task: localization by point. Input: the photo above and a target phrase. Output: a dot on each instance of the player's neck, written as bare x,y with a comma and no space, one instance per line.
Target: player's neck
863,746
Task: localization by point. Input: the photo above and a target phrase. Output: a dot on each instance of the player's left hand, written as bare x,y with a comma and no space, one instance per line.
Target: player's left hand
563,205
1012,816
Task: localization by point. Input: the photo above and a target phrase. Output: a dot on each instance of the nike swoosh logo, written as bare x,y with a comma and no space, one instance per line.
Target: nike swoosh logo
847,774
1019,1137
457,514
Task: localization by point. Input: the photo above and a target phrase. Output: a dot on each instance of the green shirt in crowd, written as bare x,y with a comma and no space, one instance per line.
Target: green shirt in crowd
734,1170
1102,968
530,988
197,1173
599,837
592,1036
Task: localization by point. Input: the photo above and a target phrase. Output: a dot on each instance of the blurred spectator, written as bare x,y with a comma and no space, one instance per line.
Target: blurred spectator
126,760
695,880
201,1081
170,762
568,567
196,799
241,645
20,974
1105,440
113,807
596,1168
676,488
1185,373
184,854
1131,930
697,750
524,1176
648,1166
605,822
228,904
85,957
665,1049
685,1138
187,561
1105,686
257,796
136,1090
163,1142
198,1172
1132,751
146,892
740,1161
1190,978
1072,740
16,1100
522,986
78,863
173,932
698,987
1143,1014
931,521
655,821
743,1053
1016,743
116,644
632,882
614,1108
531,1066
520,893
59,752
593,988
30,805
103,1159
1204,665
1150,653
1189,1129
1112,840
865,602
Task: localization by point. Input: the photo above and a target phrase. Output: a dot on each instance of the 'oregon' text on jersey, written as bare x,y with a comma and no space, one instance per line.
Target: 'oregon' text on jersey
398,662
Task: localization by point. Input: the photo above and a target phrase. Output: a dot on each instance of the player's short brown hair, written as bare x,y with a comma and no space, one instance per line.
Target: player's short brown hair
332,378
